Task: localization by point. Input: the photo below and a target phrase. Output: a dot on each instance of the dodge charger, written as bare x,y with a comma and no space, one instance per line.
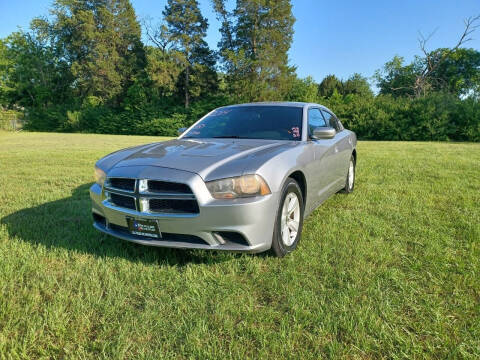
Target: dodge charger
242,178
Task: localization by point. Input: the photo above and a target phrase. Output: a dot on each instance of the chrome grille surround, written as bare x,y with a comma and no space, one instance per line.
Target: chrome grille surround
151,196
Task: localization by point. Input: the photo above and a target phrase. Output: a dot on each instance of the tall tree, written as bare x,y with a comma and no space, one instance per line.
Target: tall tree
303,90
35,75
358,85
5,66
397,79
256,38
434,59
164,69
187,28
454,69
328,86
101,40
458,73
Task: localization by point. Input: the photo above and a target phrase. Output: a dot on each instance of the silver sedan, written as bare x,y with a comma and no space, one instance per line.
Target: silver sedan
242,178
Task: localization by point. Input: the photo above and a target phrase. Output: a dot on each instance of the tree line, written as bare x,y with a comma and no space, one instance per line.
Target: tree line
84,68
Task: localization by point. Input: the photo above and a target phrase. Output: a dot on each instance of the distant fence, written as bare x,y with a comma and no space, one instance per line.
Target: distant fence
11,120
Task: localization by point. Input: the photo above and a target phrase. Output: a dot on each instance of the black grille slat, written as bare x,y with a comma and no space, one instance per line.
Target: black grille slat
171,206
122,184
122,201
166,187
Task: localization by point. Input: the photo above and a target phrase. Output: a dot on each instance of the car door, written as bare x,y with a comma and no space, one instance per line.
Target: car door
342,148
322,169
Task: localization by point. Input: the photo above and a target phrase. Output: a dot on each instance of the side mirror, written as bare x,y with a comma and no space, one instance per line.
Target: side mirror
323,133
181,130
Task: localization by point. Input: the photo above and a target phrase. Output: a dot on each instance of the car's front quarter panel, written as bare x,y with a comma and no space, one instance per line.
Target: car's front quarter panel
322,179
297,159
276,169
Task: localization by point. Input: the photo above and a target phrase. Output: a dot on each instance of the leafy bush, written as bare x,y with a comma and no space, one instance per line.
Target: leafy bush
436,117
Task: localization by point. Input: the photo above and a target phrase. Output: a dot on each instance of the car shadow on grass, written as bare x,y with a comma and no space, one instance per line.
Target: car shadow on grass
67,224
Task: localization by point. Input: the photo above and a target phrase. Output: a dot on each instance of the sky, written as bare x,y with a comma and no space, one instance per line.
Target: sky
331,37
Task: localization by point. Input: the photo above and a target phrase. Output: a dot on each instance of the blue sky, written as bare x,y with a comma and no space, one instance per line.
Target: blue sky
331,37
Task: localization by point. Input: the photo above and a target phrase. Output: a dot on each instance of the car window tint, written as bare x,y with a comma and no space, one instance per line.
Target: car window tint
315,119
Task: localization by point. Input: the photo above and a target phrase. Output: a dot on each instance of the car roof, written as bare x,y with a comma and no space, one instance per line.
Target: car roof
278,103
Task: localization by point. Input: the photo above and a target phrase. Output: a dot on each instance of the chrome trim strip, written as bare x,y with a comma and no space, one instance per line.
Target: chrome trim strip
147,214
135,200
120,191
114,189
167,196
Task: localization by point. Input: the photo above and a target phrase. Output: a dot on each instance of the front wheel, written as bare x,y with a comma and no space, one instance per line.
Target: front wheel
289,222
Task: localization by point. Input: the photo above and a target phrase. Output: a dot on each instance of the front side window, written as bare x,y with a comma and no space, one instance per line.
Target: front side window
269,122
315,119
330,119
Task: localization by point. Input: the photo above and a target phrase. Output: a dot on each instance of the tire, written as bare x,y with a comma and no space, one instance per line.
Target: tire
283,242
350,180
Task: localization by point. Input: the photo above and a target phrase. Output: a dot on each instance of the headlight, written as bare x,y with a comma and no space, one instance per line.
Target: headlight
242,186
99,176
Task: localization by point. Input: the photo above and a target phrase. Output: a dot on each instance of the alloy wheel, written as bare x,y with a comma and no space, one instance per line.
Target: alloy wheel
290,219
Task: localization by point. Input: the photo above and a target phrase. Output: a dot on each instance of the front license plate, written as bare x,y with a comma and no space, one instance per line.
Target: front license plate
144,227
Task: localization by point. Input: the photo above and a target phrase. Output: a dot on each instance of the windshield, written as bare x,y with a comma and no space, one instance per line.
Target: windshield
268,122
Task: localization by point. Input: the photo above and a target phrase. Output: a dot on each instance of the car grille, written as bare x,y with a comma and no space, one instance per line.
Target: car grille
174,206
159,197
168,187
122,201
122,184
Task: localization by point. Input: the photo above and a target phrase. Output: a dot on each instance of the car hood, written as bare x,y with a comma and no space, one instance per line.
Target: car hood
209,158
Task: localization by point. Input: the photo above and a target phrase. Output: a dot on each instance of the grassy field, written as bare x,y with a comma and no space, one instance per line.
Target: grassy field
390,271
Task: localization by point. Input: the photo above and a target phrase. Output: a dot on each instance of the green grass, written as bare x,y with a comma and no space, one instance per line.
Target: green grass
390,271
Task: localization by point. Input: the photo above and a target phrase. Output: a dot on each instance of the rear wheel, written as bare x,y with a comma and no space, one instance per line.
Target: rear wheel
350,181
289,222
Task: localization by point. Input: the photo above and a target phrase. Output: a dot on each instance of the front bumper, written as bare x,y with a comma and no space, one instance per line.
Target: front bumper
244,225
